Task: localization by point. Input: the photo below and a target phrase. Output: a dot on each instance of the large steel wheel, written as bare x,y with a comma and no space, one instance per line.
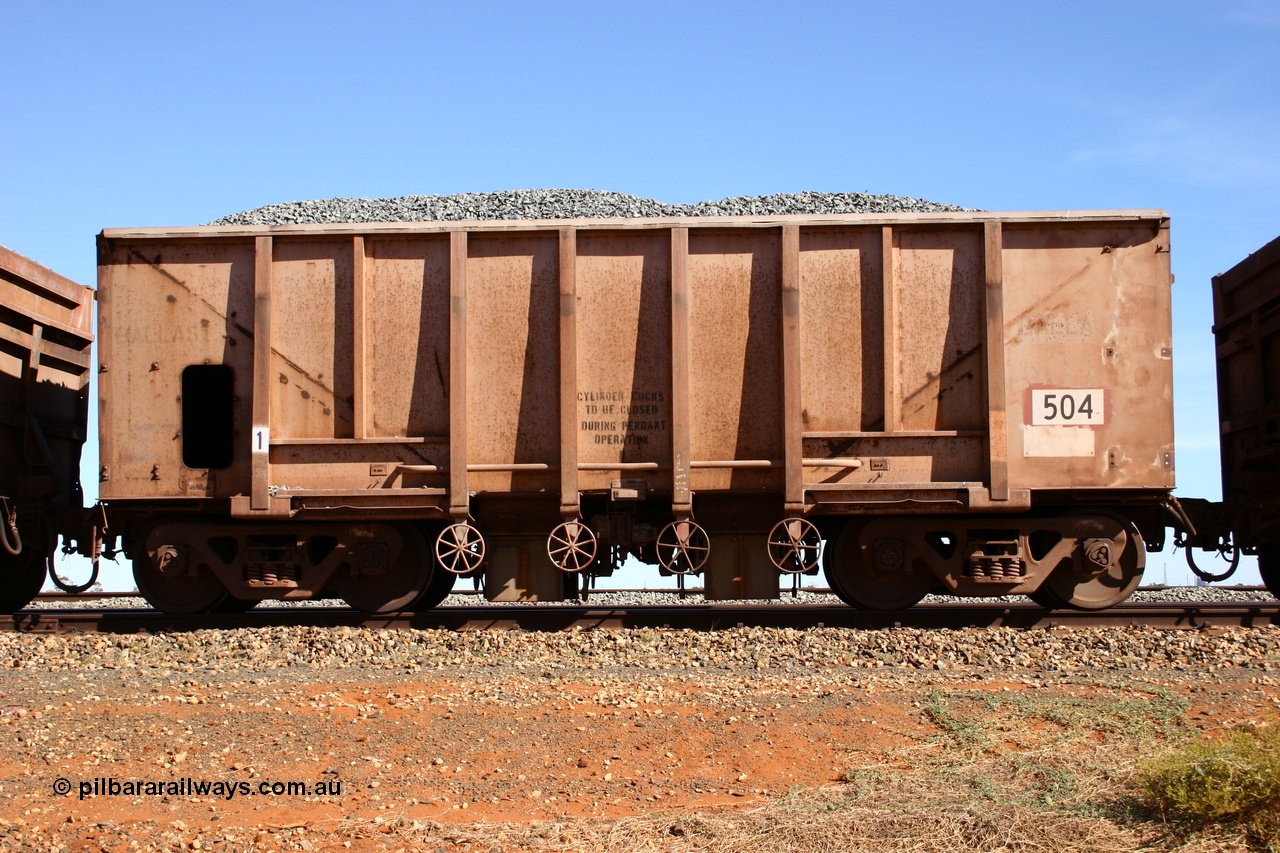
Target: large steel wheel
22,575
438,588
230,605
1046,599
1269,567
167,580
860,582
1082,585
397,587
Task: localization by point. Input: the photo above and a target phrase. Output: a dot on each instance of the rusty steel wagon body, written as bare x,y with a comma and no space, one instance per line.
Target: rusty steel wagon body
46,333
975,402
1246,318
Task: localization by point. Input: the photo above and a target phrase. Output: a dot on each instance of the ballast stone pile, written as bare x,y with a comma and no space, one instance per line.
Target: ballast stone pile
823,654
672,598
568,204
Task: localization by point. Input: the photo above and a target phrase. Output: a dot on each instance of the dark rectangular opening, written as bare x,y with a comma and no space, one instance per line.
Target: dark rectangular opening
207,423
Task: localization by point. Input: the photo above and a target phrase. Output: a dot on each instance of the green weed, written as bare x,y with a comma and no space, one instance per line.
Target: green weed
1230,781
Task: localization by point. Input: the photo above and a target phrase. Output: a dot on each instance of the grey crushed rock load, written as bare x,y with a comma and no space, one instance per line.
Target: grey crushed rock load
568,204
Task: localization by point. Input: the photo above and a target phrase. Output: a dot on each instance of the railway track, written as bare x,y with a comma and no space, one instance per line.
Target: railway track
702,617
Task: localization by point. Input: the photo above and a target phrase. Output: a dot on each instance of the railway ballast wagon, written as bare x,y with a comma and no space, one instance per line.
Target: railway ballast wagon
46,333
973,402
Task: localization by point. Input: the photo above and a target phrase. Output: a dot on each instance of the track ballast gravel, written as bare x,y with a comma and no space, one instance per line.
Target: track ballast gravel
568,204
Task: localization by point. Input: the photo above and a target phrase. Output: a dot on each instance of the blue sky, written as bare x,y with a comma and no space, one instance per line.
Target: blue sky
133,114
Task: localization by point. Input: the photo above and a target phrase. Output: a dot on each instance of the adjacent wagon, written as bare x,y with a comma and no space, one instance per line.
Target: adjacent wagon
1246,317
46,333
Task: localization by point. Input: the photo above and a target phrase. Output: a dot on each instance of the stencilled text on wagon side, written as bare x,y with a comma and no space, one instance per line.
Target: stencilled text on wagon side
627,418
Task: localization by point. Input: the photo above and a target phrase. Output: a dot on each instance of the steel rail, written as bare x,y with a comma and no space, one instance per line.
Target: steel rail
701,617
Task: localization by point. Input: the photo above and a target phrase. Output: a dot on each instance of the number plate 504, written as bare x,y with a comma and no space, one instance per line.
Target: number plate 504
1068,406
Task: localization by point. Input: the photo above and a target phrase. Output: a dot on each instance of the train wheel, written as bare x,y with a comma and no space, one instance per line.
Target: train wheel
168,581
1082,586
22,575
1269,567
1046,599
438,588
394,589
232,605
887,582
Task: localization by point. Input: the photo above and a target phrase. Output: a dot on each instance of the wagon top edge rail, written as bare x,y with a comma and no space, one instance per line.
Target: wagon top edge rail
941,218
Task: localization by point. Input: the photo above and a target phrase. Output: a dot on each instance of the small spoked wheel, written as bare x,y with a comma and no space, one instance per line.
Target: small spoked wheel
460,548
881,576
1105,573
794,546
572,546
683,547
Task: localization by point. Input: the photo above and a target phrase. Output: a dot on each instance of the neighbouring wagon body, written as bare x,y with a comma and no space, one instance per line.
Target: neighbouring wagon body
45,337
1246,318
975,402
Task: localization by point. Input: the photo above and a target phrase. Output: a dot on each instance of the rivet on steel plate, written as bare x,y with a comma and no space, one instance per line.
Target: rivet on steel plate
1106,250
155,365
1166,352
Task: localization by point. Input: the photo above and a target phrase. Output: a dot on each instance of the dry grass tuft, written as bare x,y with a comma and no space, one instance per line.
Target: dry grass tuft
813,821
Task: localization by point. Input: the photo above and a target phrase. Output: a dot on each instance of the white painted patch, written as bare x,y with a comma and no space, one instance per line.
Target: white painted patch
1057,441
1068,406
